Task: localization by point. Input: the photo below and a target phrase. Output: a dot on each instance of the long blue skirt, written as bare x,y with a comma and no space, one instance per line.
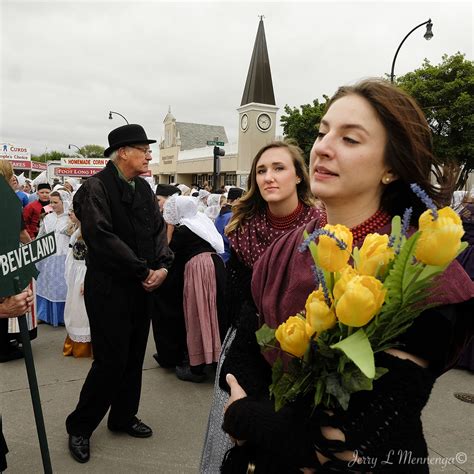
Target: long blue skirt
49,312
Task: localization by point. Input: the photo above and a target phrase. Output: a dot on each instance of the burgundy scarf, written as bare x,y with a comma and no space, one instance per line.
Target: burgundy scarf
252,239
282,279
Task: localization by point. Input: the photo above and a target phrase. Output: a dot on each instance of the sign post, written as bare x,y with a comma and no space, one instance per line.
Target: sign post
17,267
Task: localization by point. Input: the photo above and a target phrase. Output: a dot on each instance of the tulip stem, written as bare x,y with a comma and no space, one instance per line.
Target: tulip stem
349,330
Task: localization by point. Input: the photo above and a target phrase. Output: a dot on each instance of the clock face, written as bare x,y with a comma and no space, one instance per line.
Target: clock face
264,122
244,122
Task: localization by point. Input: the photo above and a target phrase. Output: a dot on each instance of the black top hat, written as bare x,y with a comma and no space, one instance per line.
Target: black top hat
234,193
130,134
166,190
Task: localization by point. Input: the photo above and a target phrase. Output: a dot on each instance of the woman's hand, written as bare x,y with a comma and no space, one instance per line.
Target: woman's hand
236,393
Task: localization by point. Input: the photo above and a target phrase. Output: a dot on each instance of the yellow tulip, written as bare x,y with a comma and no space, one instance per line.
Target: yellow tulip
360,302
346,275
292,336
330,256
375,254
440,240
319,316
426,219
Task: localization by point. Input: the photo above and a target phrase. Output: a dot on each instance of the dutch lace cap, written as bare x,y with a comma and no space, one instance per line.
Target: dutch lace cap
182,210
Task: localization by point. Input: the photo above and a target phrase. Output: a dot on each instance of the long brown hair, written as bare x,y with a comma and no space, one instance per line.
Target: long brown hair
252,202
409,148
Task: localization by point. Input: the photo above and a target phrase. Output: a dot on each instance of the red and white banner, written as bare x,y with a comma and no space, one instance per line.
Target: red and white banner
75,171
38,166
28,165
83,171
11,152
87,162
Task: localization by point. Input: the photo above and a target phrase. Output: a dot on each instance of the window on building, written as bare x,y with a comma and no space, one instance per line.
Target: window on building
170,178
230,179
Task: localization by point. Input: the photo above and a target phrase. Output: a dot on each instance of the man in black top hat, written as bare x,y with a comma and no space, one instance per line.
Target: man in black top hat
128,258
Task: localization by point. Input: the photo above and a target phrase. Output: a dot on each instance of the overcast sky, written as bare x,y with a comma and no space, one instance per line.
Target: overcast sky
65,64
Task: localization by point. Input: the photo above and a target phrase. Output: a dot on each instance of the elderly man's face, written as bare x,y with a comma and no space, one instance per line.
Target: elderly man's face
136,159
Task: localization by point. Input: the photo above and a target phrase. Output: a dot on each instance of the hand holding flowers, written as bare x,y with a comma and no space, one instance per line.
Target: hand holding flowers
360,306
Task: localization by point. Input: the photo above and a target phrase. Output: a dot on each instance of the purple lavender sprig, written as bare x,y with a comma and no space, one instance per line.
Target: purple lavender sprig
427,201
311,237
314,270
320,278
391,241
406,221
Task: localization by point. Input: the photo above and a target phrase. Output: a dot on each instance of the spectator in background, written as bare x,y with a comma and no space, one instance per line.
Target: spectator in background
164,191
195,242
12,307
225,214
214,202
23,197
8,350
185,190
78,339
34,211
51,285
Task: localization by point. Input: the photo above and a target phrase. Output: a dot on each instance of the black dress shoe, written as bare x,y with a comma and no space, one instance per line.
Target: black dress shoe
79,448
12,353
183,372
163,364
137,429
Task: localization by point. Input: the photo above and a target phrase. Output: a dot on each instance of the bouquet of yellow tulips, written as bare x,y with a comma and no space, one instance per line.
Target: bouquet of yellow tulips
366,297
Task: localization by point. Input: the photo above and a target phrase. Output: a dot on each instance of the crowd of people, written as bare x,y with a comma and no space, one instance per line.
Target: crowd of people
209,267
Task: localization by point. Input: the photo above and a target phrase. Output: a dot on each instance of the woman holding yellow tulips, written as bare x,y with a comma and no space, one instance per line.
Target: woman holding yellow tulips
277,201
373,142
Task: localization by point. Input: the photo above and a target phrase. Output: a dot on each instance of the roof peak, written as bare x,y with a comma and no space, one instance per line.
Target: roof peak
259,85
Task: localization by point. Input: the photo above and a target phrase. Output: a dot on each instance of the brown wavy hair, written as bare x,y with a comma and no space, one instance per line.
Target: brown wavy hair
252,202
6,170
409,148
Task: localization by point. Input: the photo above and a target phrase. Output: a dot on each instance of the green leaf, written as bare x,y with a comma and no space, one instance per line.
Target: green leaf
277,371
265,336
356,257
358,349
335,387
319,391
355,381
464,246
379,371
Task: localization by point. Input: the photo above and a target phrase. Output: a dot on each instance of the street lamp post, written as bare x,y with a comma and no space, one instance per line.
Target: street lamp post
428,35
78,149
116,113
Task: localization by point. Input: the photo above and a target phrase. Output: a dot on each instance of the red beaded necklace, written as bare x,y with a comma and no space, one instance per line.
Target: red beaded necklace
371,225
286,221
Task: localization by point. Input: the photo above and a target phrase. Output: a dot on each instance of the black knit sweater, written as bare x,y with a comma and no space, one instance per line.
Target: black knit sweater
383,425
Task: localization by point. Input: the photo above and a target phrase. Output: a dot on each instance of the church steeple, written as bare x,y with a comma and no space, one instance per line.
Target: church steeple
257,112
259,86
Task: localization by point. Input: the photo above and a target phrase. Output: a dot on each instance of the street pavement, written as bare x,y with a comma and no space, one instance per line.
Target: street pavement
177,411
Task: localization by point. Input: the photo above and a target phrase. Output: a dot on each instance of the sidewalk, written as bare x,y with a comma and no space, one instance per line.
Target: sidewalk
177,411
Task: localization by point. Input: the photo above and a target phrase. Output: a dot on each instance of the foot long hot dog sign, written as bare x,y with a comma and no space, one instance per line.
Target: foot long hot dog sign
82,166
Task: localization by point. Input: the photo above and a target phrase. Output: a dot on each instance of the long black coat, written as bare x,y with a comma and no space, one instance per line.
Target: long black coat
123,228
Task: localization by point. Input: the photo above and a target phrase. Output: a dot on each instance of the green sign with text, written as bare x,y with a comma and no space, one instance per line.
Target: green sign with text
17,263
